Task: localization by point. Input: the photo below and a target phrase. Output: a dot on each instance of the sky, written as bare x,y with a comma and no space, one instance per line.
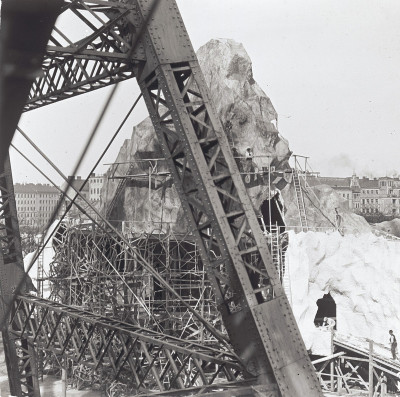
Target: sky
331,69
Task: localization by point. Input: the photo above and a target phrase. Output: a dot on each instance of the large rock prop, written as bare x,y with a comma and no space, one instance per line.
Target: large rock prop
391,227
361,273
248,118
320,203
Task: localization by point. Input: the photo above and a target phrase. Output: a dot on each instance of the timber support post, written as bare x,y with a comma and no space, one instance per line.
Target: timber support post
371,369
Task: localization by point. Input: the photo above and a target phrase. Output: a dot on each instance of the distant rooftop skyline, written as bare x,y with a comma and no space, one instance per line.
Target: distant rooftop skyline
34,188
330,69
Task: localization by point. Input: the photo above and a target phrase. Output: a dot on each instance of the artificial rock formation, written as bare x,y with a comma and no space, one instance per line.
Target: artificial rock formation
358,269
362,275
320,202
248,118
392,227
246,112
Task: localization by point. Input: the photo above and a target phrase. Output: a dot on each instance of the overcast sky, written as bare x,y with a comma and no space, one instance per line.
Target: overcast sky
331,69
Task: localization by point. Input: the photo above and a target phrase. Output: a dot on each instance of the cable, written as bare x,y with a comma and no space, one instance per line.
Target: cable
56,228
17,290
69,180
145,264
318,208
39,251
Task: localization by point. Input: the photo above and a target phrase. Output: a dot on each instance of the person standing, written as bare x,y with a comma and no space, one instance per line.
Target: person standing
393,344
338,219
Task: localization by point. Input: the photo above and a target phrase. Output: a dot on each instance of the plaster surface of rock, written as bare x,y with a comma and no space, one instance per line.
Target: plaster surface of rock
359,270
392,227
320,203
362,274
248,118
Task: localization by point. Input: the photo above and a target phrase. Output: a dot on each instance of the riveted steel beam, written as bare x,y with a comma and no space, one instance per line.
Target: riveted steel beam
254,308
151,360
19,353
103,54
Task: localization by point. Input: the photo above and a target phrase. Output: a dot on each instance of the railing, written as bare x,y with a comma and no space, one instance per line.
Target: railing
303,173
343,230
300,199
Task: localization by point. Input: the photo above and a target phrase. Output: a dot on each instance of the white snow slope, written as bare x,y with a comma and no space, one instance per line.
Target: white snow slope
362,274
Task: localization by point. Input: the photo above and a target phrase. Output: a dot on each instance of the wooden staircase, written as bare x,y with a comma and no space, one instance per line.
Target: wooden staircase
300,201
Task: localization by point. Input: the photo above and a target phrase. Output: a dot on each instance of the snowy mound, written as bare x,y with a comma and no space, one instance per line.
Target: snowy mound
391,227
361,273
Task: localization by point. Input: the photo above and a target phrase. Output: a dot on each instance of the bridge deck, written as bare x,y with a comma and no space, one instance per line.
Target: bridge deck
382,355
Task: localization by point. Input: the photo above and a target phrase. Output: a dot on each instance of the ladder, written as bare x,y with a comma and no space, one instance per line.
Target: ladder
300,201
121,186
275,250
286,278
280,261
40,274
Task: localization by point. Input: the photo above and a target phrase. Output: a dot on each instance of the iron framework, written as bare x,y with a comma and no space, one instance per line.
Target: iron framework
260,325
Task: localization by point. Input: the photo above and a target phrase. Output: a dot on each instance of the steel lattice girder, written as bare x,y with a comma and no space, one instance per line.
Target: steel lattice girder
120,188
25,28
102,56
20,356
255,310
254,307
152,360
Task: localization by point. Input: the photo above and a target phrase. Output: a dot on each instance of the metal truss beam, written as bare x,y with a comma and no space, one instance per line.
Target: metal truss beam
102,55
19,353
152,361
21,56
254,308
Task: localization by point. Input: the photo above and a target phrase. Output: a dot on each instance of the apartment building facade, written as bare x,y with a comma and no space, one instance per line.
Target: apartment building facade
368,196
35,203
96,183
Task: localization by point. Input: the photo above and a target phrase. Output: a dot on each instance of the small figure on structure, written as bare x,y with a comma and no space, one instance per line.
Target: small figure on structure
338,219
382,384
329,323
393,344
249,154
248,167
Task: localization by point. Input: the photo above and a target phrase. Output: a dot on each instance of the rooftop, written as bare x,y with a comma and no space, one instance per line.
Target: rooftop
366,183
34,188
